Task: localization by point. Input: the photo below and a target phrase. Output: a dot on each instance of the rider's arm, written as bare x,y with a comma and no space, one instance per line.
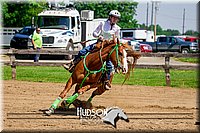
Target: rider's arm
98,30
117,33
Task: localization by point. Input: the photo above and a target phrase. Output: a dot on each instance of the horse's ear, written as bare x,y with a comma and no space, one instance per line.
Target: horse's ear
125,45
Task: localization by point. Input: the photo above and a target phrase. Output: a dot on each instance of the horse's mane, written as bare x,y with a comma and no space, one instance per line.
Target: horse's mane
103,44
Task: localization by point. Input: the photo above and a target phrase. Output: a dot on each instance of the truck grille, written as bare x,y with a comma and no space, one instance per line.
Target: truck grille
48,40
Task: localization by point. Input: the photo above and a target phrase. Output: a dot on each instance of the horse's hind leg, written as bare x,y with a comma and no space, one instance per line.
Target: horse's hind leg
100,90
61,96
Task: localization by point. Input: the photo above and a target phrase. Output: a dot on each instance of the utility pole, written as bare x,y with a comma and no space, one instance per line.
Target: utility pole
147,17
152,15
156,9
183,21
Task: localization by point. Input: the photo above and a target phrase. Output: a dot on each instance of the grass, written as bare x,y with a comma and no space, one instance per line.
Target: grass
190,60
146,77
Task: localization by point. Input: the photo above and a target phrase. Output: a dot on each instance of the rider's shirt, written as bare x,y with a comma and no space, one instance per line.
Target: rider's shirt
106,30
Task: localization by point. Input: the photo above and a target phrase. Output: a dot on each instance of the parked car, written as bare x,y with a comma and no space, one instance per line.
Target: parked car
139,46
145,48
22,38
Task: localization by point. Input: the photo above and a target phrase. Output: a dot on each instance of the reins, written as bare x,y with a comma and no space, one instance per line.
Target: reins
90,71
103,68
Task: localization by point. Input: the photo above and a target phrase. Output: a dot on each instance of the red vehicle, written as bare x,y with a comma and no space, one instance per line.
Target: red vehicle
145,48
189,38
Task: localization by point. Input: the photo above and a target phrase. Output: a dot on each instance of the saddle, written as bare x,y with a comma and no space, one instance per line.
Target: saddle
73,64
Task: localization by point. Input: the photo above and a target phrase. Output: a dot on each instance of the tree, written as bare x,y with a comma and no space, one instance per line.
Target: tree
102,9
19,14
191,33
160,31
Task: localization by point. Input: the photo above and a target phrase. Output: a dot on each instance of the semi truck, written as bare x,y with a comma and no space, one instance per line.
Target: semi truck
63,27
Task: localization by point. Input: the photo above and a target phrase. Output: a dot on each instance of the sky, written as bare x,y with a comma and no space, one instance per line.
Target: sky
170,14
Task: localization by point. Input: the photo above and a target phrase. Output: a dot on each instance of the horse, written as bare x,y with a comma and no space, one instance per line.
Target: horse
88,73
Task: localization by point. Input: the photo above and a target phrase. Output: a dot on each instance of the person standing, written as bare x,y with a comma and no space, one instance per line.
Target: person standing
37,43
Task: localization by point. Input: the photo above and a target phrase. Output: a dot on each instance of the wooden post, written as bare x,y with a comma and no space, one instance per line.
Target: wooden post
167,72
12,63
13,71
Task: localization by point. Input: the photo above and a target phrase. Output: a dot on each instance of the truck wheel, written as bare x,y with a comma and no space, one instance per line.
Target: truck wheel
70,47
185,50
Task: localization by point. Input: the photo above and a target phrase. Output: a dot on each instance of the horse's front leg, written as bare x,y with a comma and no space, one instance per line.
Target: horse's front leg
60,97
67,88
67,102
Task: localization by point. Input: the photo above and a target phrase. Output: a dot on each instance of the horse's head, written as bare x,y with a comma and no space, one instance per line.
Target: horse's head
118,56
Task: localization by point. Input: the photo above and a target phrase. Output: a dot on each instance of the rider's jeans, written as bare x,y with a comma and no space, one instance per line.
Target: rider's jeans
84,51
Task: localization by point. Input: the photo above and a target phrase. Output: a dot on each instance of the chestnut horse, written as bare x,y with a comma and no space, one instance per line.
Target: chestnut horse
90,71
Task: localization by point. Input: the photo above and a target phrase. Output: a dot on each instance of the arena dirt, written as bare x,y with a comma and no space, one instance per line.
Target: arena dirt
148,108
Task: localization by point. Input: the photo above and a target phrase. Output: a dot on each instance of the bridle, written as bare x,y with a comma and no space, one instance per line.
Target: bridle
117,55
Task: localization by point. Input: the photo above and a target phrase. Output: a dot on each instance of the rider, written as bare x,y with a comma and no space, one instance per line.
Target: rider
105,30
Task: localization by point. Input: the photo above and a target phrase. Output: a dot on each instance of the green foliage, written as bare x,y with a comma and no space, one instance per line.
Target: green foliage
168,32
102,8
192,33
191,60
19,14
147,77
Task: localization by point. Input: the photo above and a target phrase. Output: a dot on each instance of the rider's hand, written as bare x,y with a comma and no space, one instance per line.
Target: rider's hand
100,38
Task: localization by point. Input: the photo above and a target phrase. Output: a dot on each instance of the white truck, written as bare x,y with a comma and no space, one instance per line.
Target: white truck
64,28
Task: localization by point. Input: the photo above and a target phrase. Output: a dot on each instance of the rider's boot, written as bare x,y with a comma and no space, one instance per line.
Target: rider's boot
107,81
72,65
107,85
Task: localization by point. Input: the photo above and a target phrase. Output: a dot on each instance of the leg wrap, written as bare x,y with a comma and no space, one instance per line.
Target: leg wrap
56,102
72,98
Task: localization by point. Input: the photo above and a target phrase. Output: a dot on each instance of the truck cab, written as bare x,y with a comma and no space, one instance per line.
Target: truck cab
59,27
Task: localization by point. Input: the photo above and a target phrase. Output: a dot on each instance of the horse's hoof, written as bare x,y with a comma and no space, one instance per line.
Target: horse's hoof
49,112
65,105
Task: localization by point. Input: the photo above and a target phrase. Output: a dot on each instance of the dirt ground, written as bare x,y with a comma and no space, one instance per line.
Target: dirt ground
148,108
